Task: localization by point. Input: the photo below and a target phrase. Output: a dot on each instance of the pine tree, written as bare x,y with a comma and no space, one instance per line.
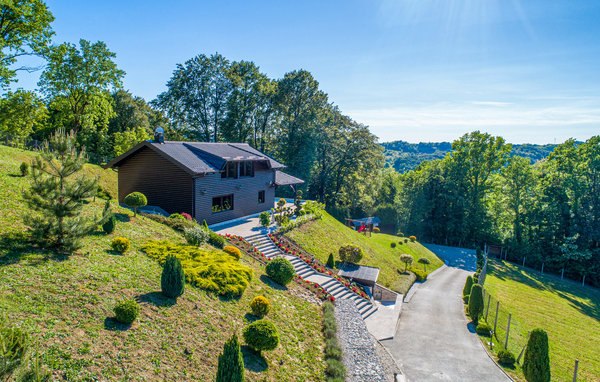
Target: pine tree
58,196
231,363
172,280
536,363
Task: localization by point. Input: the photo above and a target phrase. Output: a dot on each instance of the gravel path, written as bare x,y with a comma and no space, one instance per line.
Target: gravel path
433,341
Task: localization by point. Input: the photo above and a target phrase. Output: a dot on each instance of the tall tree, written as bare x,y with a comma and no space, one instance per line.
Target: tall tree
24,30
21,113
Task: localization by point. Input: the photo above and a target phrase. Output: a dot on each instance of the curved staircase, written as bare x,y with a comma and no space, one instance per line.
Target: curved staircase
339,291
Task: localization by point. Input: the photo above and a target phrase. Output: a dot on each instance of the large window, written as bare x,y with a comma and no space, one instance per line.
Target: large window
222,203
247,168
261,197
230,170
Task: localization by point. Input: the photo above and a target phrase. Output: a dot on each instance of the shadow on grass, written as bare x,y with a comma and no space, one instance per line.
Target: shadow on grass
15,246
113,325
267,280
251,317
123,218
253,361
227,298
156,299
113,252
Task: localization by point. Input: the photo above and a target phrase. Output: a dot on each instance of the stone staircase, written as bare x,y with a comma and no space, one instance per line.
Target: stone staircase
263,243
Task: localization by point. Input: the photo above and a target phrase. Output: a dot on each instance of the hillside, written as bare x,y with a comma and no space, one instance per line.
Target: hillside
568,312
324,236
404,156
66,303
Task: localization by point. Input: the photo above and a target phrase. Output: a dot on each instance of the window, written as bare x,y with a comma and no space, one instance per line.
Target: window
261,196
230,170
247,168
222,203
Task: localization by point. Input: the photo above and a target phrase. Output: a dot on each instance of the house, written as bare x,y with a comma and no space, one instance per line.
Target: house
212,181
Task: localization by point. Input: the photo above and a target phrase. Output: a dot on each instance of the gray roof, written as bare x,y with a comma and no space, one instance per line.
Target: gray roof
201,157
283,179
360,272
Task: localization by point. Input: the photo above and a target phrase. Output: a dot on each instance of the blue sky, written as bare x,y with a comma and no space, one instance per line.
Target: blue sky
416,70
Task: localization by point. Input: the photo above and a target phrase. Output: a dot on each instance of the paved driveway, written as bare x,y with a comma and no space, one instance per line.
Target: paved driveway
433,342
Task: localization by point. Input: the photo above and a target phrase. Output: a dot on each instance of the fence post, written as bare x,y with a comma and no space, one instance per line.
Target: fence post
523,350
496,318
575,371
562,273
542,267
524,257
507,332
583,282
488,307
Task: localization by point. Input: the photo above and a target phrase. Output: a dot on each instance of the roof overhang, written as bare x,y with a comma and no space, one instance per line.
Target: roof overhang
283,179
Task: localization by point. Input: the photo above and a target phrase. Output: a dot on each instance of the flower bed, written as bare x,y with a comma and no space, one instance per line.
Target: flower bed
287,246
251,251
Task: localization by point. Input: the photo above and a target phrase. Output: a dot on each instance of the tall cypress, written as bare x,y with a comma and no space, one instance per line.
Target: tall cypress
172,280
536,364
468,285
476,302
231,363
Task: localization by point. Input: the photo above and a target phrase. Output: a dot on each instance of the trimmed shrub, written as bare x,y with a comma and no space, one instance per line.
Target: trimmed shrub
466,299
475,302
136,200
177,216
333,349
233,251
178,225
282,219
376,229
120,244
261,335
24,168
536,363
329,323
231,363
265,219
330,261
505,357
195,235
335,368
260,306
468,286
172,279
187,216
280,270
109,226
103,194
483,328
281,202
393,244
14,344
216,240
475,277
421,275
412,238
351,253
405,241
126,311
407,260
425,261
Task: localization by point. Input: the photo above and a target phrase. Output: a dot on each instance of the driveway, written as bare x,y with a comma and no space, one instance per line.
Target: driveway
433,341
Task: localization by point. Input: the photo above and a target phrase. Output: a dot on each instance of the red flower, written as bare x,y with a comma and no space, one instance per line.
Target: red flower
332,298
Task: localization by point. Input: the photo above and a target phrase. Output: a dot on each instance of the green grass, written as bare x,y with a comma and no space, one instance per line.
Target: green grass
67,302
326,235
569,313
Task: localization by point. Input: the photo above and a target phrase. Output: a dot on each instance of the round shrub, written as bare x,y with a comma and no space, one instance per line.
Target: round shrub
120,244
393,244
135,200
475,302
126,311
412,238
215,240
405,241
335,368
196,235
261,335
536,362
172,279
483,328
505,357
187,216
109,226
351,253
24,168
264,218
333,349
260,306
280,270
177,216
233,251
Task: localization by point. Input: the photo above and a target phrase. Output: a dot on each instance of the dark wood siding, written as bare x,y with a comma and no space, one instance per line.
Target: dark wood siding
245,195
164,184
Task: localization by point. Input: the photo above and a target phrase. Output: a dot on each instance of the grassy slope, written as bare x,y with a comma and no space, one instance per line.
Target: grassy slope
66,303
321,237
568,312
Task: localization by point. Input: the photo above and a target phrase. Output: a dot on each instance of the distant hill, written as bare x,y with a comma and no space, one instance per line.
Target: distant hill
404,156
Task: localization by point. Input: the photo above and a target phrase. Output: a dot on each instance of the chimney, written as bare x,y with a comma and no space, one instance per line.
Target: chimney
159,136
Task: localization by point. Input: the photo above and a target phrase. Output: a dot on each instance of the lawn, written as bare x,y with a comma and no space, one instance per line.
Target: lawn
324,236
569,313
66,303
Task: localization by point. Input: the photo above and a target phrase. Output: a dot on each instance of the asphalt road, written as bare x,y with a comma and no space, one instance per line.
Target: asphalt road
433,341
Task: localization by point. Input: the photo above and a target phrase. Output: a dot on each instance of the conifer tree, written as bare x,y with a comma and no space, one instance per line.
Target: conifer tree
475,302
536,363
57,195
468,285
330,261
172,280
231,363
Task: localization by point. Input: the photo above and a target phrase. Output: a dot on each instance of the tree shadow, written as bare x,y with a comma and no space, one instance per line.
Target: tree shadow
471,327
113,325
229,297
16,176
113,252
253,361
123,218
15,246
156,299
267,280
251,317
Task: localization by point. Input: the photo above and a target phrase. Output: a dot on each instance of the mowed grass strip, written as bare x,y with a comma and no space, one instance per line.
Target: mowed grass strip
67,302
326,235
569,313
